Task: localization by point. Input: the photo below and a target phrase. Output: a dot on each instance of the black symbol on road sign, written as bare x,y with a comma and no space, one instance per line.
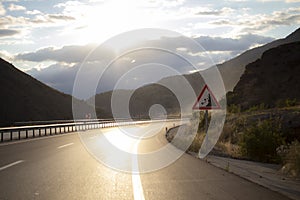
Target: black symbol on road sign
206,100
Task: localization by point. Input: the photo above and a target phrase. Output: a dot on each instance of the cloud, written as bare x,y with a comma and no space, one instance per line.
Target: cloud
50,19
2,9
243,42
39,19
237,0
261,23
240,43
33,12
223,11
14,7
70,58
287,1
8,32
60,17
66,54
6,56
292,1
167,3
59,76
76,54
68,3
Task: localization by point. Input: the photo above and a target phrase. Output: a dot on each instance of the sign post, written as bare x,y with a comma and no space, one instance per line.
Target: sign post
206,101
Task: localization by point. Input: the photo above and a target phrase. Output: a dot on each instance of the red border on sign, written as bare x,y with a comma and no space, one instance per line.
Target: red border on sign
195,107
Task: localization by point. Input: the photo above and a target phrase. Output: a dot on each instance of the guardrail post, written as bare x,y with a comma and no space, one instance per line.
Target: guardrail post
33,133
2,136
40,132
50,131
19,135
26,133
11,135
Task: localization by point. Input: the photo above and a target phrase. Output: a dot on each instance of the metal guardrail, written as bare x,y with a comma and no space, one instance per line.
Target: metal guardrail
24,132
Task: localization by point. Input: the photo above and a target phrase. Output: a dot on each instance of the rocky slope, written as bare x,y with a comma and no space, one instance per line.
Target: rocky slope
233,69
270,80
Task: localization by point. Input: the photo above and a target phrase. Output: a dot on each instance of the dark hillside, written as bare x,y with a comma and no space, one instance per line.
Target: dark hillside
23,98
271,80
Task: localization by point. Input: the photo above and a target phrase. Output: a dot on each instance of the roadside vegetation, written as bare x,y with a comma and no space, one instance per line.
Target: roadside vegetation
264,134
259,133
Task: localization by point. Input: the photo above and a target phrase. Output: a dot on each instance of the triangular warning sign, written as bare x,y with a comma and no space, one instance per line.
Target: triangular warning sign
206,100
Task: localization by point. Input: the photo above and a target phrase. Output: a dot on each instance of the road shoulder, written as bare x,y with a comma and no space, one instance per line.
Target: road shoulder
266,175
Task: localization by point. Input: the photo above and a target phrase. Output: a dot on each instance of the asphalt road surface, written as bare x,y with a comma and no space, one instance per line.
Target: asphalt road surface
60,167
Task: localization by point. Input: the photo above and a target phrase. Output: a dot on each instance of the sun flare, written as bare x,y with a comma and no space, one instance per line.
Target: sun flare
114,17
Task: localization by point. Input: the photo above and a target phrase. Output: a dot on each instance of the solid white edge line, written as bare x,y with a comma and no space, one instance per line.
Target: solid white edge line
66,145
11,164
138,192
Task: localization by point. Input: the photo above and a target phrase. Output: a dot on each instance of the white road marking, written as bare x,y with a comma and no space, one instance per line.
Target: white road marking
11,164
93,137
66,145
138,192
6,143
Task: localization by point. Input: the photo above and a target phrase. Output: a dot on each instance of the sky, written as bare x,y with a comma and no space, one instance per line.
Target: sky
47,38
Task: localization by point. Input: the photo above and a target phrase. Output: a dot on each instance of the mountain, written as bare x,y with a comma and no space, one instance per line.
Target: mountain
166,92
270,80
233,69
23,98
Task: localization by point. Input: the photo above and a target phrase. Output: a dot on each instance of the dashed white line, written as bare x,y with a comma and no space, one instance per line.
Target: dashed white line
11,164
93,137
66,145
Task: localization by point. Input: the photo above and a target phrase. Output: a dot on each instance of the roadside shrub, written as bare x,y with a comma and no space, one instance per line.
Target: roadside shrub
259,107
290,102
290,156
234,108
281,103
197,142
259,142
253,108
201,125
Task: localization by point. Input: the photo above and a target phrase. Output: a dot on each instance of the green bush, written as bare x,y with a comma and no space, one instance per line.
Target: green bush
290,102
261,106
281,103
259,142
253,108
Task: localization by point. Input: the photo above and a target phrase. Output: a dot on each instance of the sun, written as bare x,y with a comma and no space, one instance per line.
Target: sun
114,17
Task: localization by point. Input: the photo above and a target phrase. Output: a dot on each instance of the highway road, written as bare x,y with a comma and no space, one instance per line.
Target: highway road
60,167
